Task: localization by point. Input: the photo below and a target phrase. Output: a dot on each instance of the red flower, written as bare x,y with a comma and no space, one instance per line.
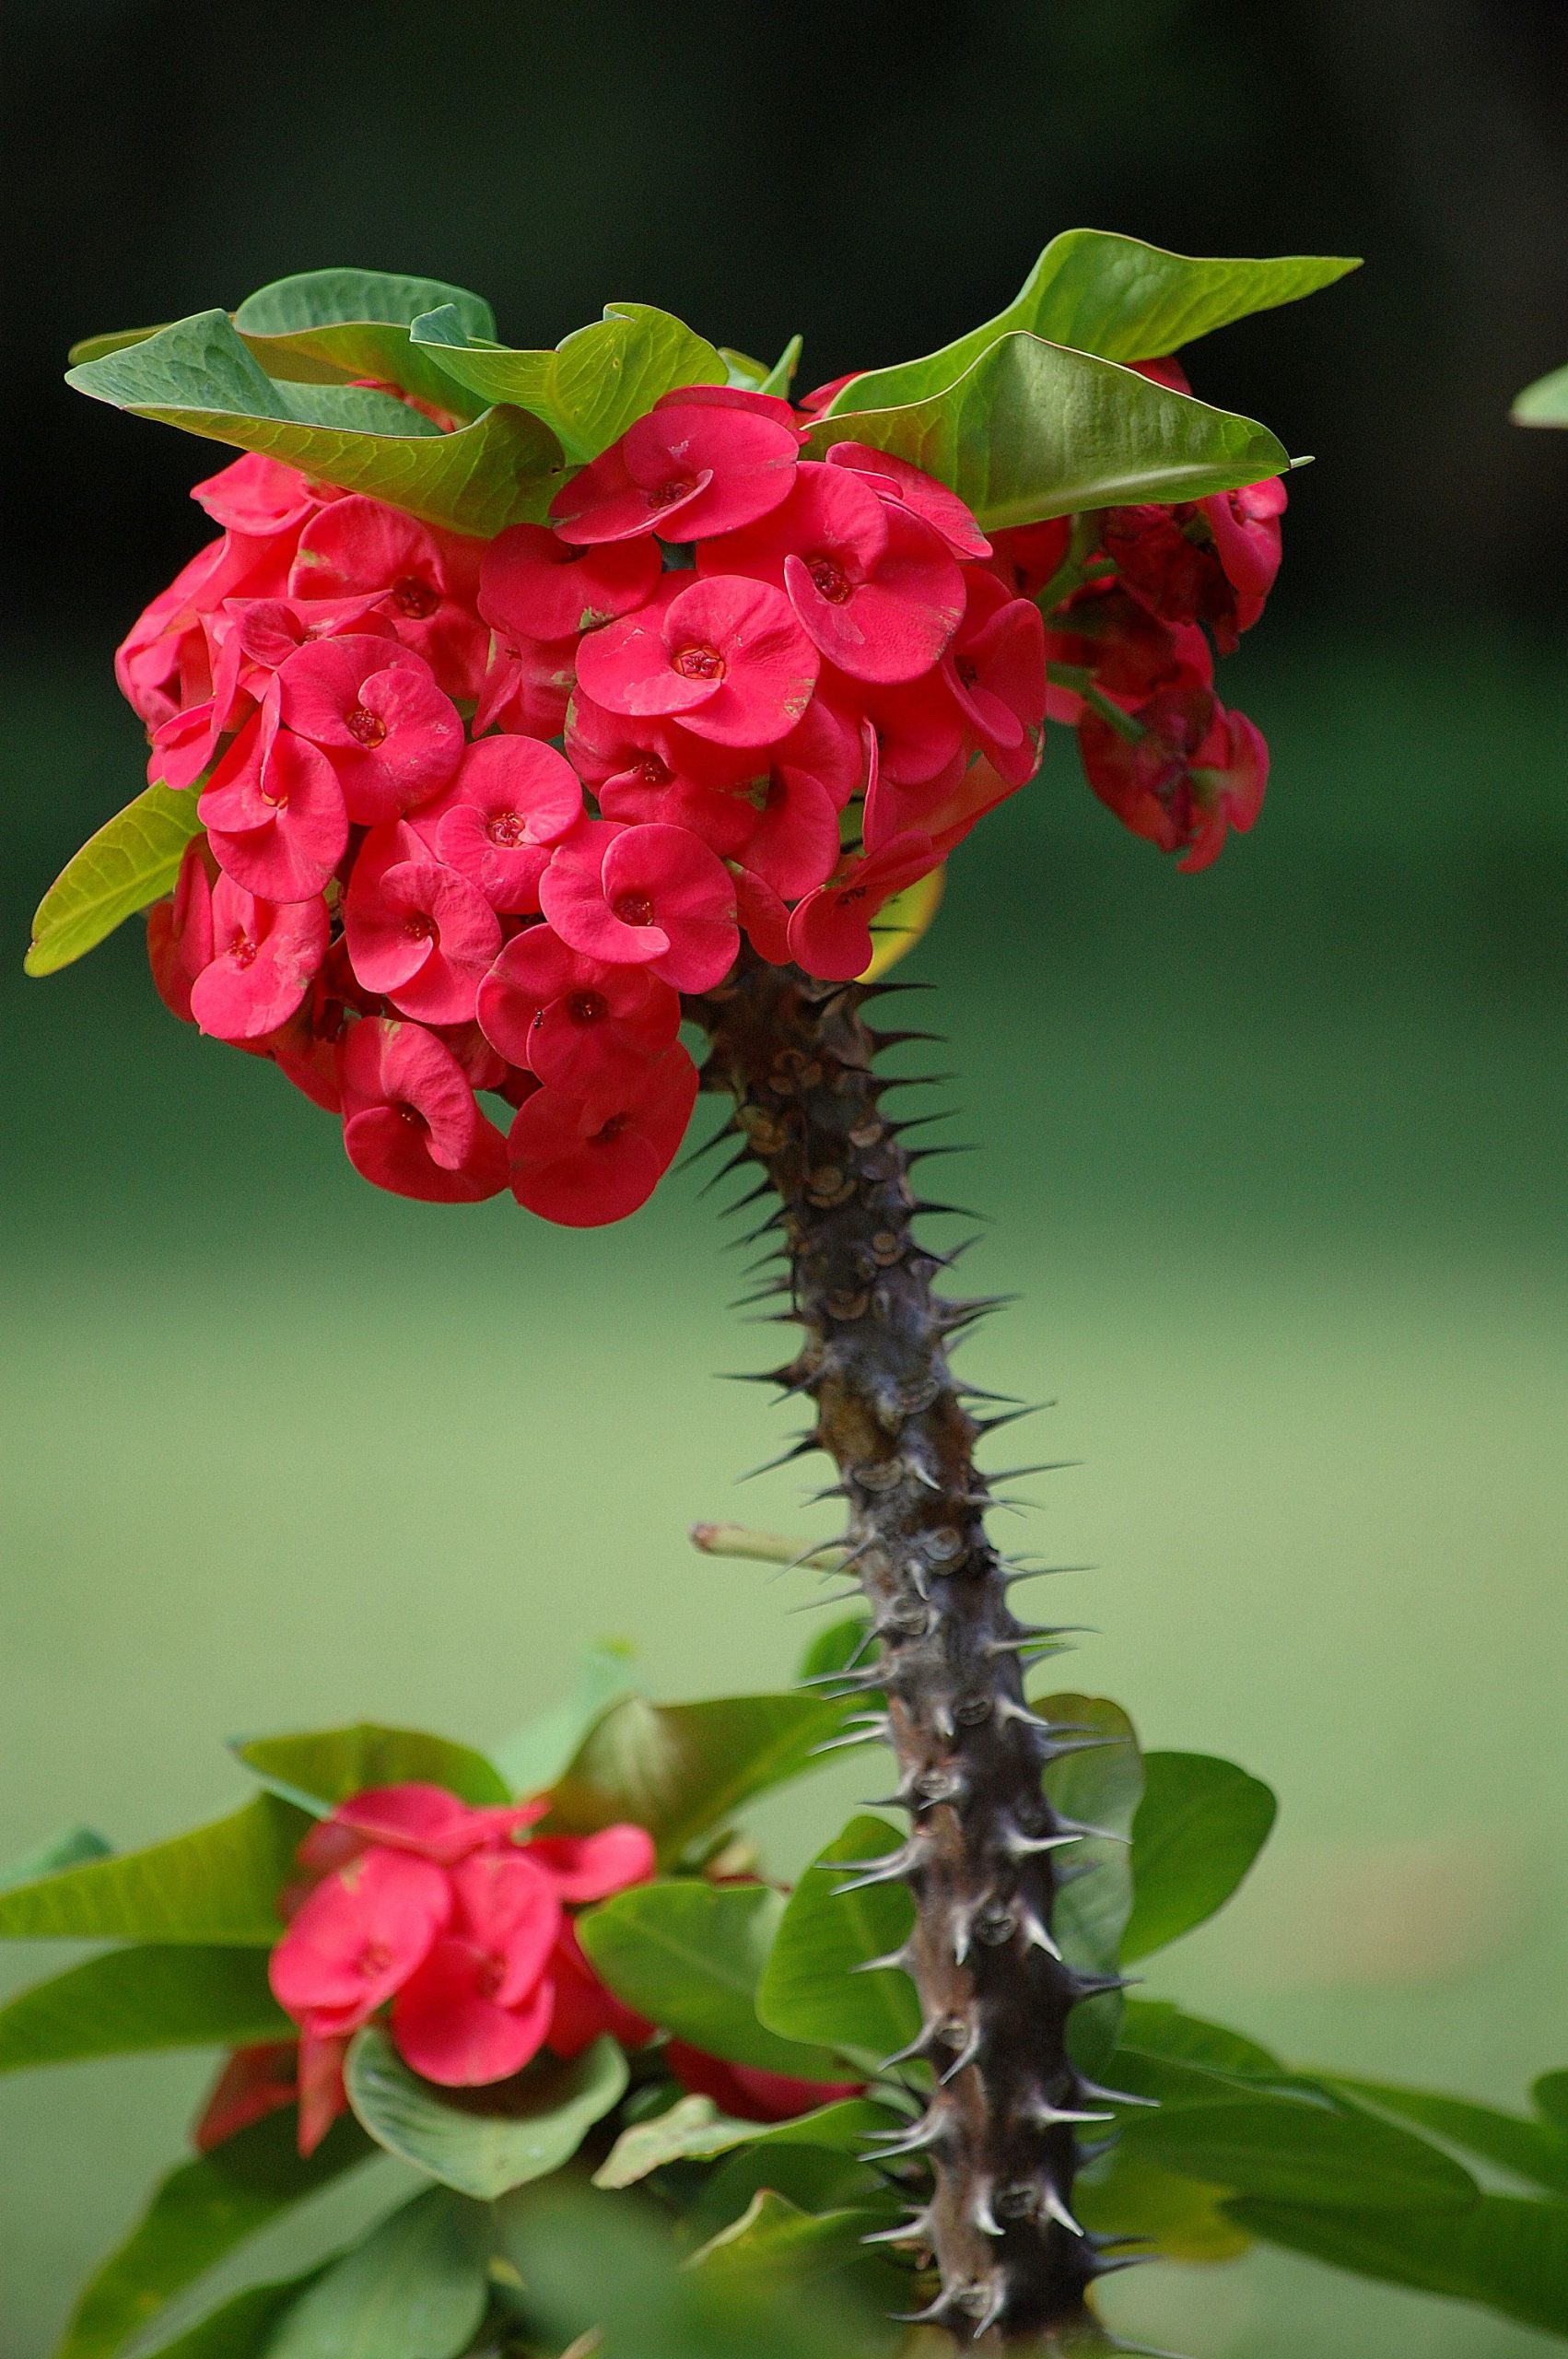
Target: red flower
747,2094
276,820
930,500
410,1121
263,956
527,686
374,710
1026,556
579,1024
422,935
414,1817
653,895
688,469
582,1162
511,801
874,585
427,582
1246,525
259,496
995,670
726,657
1196,772
253,2082
591,1867
533,584
476,2006
179,930
583,2009
357,1937
830,930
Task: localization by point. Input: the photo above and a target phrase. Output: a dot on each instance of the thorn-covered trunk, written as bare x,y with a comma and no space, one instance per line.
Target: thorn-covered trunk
1002,2128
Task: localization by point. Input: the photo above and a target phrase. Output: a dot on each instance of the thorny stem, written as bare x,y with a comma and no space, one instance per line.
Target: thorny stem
1002,2128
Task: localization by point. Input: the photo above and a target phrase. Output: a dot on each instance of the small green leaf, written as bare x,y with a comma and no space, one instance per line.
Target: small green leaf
1534,2151
329,1765
1033,430
331,326
68,1849
133,860
812,1988
598,380
482,2141
534,1756
150,1997
416,2288
218,1885
1507,2253
903,923
200,375
1100,1787
199,2213
774,2239
1157,2029
1112,296
1292,2148
843,1646
679,1770
781,376
689,1956
1545,402
1199,1826
694,2130
241,2329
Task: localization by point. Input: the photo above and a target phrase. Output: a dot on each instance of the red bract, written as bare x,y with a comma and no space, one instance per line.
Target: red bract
477,2007
1026,557
583,1162
688,469
875,588
591,1867
726,657
357,1937
374,710
579,1023
1195,772
263,956
277,822
259,496
830,930
995,668
410,1121
584,2010
414,1817
425,583
162,665
930,500
746,2094
527,686
1246,525
424,936
653,895
533,584
255,2081
511,801
179,930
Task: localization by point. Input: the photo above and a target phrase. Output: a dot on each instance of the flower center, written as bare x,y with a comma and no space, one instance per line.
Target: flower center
415,599
587,1007
372,1960
968,672
832,581
634,908
611,1131
654,773
419,925
365,728
700,664
411,1115
490,1976
243,950
507,829
666,494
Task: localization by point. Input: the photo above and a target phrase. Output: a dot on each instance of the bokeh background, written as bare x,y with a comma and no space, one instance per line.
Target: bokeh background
1275,1154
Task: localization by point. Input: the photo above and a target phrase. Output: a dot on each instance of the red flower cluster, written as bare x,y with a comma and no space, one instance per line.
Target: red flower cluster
455,1921
416,1901
789,687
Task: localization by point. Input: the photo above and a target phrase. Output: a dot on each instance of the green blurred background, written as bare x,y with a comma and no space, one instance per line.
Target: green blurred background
1275,1154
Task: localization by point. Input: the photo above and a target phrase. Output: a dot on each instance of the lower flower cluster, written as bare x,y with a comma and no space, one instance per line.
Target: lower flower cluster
455,1924
475,817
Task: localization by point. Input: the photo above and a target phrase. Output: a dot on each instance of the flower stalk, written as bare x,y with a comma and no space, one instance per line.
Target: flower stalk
1002,2127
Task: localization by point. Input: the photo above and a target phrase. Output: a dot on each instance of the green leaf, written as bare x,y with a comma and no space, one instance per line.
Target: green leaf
1289,2148
133,859
1100,1787
1551,2097
331,326
199,2213
774,2239
689,1956
811,1987
218,1885
1507,2253
1534,2151
781,376
1545,402
597,381
416,2288
482,2141
694,2130
679,1770
200,375
68,1849
1126,2193
1157,2029
842,1647
1199,1826
1112,296
136,1999
328,1765
241,2329
815,2178
533,1757
1033,430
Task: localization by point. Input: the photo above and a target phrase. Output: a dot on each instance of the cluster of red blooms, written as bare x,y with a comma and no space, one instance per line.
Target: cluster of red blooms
784,690
412,1902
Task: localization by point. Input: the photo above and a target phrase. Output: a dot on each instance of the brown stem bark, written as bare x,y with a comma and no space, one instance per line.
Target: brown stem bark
1001,2128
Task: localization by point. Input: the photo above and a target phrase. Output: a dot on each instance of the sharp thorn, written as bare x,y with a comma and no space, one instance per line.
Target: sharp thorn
751,1196
741,1154
800,1448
